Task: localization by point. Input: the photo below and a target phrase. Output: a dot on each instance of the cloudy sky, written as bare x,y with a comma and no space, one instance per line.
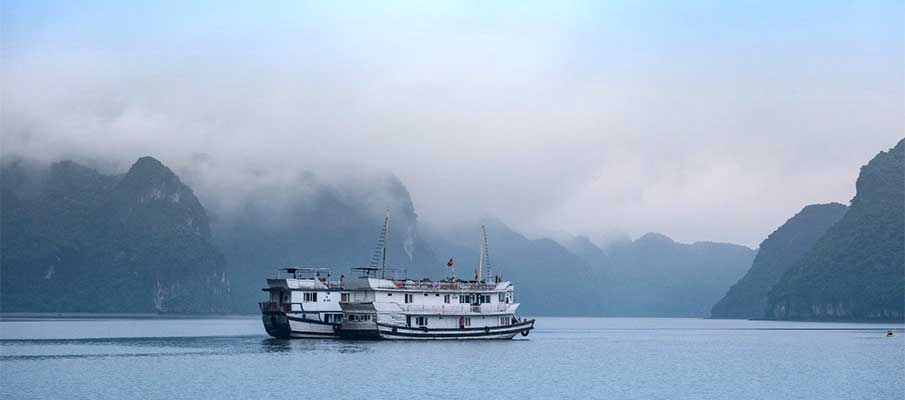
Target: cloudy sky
703,121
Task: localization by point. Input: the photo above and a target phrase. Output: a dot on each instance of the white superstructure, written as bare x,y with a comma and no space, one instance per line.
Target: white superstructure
448,309
385,308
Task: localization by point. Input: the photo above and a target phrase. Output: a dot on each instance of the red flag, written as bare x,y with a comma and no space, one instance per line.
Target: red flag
449,263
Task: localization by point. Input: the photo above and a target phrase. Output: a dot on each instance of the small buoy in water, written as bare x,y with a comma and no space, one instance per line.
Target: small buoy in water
889,334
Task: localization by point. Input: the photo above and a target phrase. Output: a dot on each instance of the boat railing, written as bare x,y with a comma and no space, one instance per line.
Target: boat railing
454,309
441,285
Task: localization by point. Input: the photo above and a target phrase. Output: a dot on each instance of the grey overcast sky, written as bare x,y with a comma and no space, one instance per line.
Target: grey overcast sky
702,121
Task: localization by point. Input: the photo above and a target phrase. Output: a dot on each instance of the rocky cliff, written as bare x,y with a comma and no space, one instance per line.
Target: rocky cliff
76,240
856,271
776,254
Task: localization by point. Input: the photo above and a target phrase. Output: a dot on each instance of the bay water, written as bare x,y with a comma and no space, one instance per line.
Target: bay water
569,358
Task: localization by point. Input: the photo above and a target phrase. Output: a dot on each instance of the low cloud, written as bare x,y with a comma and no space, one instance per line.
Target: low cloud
593,119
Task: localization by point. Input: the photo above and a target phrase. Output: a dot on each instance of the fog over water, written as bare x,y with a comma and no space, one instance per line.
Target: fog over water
703,122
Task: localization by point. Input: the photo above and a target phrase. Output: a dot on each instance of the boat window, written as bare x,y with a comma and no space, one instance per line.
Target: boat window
328,317
309,297
467,321
502,297
446,299
344,297
389,294
409,298
421,321
425,294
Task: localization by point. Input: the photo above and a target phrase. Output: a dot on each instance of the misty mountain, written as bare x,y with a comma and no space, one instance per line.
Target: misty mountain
583,247
145,234
856,271
777,253
657,277
318,225
76,240
549,279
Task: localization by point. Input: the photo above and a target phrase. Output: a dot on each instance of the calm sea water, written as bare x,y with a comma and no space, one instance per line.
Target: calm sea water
611,358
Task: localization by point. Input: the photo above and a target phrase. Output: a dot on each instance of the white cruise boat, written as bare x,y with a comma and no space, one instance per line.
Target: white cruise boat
304,303
381,307
448,309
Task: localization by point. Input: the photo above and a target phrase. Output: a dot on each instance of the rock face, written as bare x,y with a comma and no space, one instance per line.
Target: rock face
657,277
75,240
777,253
856,271
318,225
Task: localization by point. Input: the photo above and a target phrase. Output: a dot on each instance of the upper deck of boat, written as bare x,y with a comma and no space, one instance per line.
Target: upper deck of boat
426,285
319,279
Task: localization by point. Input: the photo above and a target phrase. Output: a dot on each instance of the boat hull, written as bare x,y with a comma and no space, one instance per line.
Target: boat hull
286,326
359,334
396,332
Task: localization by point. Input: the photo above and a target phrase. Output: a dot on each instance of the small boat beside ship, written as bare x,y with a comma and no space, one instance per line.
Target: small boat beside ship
306,303
303,303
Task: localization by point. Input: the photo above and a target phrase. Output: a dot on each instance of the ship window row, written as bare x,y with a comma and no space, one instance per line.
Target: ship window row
421,321
474,298
309,297
462,298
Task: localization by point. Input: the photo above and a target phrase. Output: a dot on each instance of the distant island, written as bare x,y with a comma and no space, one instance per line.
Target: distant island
142,241
831,262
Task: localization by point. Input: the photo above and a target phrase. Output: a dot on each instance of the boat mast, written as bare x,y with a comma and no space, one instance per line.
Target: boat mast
386,236
485,256
379,257
480,262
